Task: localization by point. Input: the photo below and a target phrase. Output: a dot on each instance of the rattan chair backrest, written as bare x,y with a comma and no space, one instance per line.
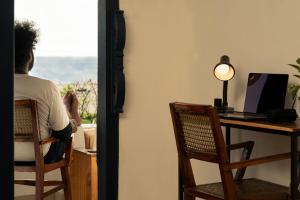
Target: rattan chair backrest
197,131
25,120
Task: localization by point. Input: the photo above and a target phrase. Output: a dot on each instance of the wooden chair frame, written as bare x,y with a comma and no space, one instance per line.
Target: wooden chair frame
220,157
39,166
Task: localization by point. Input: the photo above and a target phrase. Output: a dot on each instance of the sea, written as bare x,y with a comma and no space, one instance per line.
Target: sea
62,70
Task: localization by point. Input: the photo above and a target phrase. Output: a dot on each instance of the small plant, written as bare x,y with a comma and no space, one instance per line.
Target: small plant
89,118
294,88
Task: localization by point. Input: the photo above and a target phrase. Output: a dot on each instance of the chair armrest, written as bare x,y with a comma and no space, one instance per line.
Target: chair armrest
49,140
69,151
261,160
248,145
69,147
247,150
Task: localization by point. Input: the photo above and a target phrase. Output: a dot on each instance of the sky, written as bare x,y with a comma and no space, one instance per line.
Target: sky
67,27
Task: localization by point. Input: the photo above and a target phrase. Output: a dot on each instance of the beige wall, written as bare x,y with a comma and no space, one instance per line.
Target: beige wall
172,47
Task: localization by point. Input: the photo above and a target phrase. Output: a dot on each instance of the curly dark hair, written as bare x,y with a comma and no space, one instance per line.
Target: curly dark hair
26,37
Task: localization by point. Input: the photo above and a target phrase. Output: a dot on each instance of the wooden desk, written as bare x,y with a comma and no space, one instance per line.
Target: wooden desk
275,128
291,130
84,175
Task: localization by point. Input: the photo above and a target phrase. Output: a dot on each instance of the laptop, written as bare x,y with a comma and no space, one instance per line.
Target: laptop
264,92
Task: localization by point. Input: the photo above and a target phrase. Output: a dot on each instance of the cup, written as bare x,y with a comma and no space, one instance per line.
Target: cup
90,138
218,102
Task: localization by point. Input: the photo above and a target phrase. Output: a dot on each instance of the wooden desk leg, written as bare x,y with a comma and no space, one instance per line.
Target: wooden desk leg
228,139
180,184
294,158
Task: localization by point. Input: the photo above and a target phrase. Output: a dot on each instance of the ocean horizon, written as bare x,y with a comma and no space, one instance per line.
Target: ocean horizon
63,70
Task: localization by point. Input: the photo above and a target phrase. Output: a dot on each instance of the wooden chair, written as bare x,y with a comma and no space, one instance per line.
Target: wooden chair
199,136
26,129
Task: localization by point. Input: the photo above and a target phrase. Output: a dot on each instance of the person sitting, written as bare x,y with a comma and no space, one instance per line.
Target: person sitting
57,117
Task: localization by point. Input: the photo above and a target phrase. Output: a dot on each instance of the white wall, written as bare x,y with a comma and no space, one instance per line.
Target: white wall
171,49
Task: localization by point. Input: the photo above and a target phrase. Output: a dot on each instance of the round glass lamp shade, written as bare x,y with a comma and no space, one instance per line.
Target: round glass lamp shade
224,72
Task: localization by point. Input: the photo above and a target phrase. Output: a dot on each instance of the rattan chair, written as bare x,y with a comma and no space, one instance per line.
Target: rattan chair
199,136
26,129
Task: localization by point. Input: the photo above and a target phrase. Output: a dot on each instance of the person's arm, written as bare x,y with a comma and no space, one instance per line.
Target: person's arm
62,127
63,134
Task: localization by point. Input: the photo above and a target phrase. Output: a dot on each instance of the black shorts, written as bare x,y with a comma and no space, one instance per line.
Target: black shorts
57,149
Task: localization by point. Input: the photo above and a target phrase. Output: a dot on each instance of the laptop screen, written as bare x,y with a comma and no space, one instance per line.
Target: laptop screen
265,92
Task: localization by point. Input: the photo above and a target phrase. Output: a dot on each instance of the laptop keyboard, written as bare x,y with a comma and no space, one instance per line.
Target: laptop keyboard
242,116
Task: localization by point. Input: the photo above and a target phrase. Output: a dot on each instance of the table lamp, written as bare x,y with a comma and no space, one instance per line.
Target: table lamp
224,71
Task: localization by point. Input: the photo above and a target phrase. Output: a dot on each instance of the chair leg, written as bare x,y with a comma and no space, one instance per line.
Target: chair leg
39,186
65,174
188,196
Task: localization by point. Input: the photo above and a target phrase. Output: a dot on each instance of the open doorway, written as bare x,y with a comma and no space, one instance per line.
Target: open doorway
66,54
110,107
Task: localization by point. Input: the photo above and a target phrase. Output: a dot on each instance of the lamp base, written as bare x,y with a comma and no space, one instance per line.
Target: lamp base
225,109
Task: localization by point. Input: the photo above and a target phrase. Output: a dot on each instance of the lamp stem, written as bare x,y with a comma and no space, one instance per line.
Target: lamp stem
225,86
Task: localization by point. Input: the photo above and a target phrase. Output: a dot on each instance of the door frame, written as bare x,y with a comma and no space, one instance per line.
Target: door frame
107,119
7,96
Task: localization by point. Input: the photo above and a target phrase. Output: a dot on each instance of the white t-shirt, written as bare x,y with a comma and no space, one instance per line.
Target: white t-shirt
51,110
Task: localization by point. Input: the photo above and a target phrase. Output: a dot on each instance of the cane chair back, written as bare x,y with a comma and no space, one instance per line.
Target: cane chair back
26,123
26,129
196,133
